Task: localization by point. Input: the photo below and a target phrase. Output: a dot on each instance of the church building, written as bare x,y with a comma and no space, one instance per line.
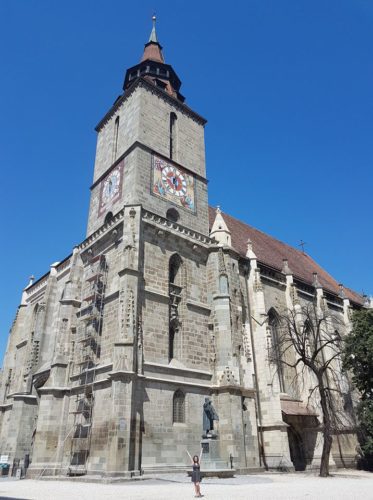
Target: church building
167,305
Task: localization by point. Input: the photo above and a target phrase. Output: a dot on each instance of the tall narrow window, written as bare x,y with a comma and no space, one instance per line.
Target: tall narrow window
175,290
174,269
309,336
273,322
178,408
171,343
173,135
116,132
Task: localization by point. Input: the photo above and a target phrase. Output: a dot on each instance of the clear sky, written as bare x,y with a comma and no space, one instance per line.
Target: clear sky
286,87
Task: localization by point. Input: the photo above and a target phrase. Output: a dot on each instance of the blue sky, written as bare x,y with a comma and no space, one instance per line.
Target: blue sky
286,88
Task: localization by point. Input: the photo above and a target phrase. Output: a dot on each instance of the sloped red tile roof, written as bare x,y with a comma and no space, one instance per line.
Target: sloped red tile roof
271,252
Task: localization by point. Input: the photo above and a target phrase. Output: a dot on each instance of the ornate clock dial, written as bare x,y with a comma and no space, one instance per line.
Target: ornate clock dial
111,189
174,181
111,186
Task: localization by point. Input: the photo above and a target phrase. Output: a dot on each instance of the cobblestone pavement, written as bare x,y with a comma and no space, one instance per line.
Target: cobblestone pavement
348,485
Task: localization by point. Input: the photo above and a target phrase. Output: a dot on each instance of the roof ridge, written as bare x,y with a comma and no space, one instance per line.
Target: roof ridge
272,250
265,234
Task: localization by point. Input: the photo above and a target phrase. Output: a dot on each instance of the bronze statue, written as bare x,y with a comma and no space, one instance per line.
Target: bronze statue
209,415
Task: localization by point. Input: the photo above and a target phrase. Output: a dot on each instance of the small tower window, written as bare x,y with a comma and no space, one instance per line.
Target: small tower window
109,217
178,408
116,132
173,135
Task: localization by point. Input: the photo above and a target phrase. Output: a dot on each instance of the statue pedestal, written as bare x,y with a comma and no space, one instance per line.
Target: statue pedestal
212,464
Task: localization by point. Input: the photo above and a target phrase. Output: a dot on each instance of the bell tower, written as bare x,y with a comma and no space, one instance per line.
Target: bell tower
150,148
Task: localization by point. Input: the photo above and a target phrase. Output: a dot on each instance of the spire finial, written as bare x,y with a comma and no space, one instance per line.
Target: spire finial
153,34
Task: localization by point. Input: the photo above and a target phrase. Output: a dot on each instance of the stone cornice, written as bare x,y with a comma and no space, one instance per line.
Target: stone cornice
96,369
141,82
158,293
71,302
6,406
177,382
198,305
177,369
22,397
54,390
234,389
42,282
122,374
102,231
164,224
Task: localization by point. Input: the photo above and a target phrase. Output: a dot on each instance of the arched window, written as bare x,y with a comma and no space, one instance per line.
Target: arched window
310,338
274,324
173,135
108,217
174,269
116,132
175,291
178,408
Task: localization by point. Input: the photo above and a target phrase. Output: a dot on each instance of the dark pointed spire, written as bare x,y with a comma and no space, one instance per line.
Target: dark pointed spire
153,68
153,49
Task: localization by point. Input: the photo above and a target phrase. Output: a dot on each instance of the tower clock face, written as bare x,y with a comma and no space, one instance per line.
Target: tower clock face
111,186
111,189
174,181
173,184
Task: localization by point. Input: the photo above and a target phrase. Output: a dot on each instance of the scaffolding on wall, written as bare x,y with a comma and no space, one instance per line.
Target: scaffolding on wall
87,356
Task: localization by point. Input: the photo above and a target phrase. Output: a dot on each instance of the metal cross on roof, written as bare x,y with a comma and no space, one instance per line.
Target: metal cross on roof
302,244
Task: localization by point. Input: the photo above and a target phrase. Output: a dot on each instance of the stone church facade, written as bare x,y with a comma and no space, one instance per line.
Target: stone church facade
165,303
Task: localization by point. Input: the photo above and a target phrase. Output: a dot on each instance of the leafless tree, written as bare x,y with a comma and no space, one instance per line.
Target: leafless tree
309,344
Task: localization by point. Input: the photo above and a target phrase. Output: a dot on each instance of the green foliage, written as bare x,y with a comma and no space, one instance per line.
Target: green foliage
365,413
358,355
358,359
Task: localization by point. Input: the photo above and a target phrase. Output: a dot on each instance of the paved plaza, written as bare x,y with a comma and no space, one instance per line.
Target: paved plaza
347,485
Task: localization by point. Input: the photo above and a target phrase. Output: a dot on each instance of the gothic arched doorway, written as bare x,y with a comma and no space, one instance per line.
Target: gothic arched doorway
297,452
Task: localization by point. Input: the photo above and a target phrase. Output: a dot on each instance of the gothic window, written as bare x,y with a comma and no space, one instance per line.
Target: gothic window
116,132
175,269
178,408
309,335
274,325
175,290
173,135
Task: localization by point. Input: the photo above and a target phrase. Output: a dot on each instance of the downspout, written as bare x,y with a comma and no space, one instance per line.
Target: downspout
262,456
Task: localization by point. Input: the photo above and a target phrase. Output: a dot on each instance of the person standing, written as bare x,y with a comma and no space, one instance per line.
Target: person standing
196,473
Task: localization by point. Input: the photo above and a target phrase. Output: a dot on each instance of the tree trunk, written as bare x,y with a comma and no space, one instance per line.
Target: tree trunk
327,432
327,446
